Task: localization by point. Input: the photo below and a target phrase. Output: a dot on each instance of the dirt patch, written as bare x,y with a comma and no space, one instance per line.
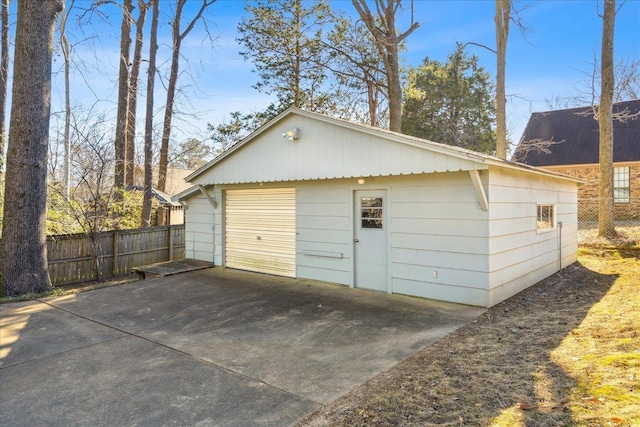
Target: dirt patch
628,237
564,352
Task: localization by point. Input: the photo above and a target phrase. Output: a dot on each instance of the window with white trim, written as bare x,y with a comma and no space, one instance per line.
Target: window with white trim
546,217
621,184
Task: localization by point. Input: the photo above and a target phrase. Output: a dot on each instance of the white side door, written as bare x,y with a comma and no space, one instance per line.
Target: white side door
371,240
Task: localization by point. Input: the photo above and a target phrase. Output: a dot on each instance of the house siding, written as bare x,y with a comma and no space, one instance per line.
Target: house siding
324,231
438,229
199,227
520,255
441,244
326,151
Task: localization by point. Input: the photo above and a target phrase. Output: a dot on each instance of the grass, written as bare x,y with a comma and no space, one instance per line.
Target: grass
565,352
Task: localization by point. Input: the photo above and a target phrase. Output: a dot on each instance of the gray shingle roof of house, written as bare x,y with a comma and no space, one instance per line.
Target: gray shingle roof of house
576,136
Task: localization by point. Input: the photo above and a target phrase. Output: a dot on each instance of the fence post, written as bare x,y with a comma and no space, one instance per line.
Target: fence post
170,243
115,252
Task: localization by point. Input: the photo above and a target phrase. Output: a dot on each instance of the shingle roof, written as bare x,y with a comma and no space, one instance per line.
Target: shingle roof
576,136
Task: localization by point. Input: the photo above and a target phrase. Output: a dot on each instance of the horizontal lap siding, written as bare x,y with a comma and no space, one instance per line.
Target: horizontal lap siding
521,255
437,225
324,232
199,228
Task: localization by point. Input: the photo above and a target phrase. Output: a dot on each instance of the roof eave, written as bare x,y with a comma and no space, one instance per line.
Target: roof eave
532,169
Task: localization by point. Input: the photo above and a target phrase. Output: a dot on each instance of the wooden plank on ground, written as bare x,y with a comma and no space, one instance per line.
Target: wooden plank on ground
168,268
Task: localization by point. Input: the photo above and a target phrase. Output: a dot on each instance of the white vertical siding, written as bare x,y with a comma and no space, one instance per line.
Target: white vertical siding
521,255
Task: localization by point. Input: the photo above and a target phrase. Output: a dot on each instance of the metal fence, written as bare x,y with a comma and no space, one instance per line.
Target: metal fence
77,258
626,218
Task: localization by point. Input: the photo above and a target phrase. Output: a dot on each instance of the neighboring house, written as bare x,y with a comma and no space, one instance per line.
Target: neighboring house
175,179
315,197
172,211
568,142
175,184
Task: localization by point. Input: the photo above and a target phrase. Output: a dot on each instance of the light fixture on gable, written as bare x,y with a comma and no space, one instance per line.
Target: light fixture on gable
291,134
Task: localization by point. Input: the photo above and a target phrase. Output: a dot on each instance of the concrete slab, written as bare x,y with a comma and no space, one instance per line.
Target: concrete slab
209,347
33,330
131,381
313,340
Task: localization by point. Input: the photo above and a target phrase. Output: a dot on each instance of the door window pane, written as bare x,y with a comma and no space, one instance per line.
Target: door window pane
371,212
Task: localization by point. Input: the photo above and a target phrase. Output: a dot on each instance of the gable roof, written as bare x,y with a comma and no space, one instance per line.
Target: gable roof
329,148
576,137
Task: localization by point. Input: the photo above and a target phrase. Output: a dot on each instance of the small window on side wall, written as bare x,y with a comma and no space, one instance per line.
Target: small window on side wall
546,217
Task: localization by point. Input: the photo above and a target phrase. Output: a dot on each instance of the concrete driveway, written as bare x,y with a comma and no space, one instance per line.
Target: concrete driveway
210,347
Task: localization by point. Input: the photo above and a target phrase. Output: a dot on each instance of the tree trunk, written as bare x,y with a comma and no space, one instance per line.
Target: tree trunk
148,127
134,79
171,89
4,73
503,15
382,28
24,243
66,52
395,88
123,92
605,120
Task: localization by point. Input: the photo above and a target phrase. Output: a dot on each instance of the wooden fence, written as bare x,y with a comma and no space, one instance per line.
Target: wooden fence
76,258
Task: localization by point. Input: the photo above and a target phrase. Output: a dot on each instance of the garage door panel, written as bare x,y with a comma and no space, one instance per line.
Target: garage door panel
260,230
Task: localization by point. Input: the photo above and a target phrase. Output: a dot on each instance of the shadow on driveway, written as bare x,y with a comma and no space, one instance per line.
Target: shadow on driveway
211,347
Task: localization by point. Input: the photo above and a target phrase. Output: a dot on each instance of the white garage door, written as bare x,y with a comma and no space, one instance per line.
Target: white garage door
260,228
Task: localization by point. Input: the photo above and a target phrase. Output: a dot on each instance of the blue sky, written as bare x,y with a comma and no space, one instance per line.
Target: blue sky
559,48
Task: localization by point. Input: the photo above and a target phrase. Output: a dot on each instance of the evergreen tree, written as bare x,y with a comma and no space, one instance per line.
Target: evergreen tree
451,103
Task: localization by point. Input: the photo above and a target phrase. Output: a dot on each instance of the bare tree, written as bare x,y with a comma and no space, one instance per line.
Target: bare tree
148,127
382,26
123,93
24,254
502,19
359,72
134,79
626,87
4,73
66,53
178,38
605,121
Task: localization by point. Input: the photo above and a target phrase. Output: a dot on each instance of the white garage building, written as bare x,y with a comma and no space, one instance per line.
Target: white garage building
315,197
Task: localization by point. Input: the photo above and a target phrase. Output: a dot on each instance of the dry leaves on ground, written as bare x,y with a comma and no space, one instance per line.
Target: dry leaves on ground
564,352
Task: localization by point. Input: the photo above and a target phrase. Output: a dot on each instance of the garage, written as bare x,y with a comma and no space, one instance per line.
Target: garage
367,208
260,230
